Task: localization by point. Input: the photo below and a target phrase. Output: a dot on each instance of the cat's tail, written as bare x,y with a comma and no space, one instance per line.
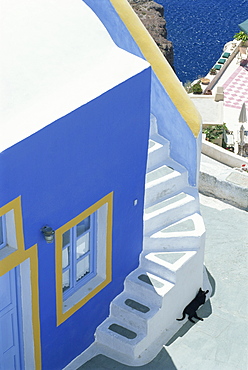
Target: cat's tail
184,314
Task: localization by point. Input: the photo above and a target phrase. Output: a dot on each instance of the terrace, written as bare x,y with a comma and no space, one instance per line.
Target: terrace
225,92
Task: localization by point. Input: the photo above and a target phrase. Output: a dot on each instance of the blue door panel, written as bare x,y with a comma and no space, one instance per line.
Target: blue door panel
9,361
10,343
5,291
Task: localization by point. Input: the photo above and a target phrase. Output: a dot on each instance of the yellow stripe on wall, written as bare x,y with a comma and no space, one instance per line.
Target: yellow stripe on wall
159,65
9,263
15,259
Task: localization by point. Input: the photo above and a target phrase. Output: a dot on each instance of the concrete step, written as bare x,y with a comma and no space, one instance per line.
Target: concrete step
188,233
166,264
165,180
122,339
129,331
128,345
141,283
168,211
153,126
158,151
127,338
135,313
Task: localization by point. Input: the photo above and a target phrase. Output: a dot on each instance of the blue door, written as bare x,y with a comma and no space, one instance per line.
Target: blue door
10,333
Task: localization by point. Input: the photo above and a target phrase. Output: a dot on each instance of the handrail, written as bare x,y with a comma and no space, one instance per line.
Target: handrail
220,73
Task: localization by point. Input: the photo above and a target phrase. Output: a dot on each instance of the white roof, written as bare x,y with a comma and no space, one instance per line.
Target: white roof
56,56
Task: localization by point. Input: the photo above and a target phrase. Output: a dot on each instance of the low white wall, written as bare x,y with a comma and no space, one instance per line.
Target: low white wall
222,155
224,190
209,109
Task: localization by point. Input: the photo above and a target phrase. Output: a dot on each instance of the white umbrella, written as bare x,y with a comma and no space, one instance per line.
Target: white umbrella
242,116
242,119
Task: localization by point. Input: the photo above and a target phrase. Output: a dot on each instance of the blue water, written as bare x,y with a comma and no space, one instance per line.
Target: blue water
199,29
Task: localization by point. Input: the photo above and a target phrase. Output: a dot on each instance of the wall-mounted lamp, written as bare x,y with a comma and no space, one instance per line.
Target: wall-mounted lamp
48,233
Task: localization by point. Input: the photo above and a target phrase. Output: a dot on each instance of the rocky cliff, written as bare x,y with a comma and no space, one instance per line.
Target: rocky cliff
152,16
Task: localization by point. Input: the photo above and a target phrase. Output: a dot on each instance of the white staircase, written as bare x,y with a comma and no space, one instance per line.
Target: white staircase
143,317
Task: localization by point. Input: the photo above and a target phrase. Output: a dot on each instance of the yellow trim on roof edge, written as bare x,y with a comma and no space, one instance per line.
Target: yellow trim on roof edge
159,65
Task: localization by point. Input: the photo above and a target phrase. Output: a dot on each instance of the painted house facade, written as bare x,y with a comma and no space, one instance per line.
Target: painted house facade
91,166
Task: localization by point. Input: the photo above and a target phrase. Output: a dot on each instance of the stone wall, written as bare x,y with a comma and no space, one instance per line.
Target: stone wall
152,16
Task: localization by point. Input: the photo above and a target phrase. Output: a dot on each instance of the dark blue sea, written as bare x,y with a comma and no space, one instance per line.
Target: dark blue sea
199,29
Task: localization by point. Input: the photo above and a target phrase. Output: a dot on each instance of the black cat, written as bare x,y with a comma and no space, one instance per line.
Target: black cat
190,310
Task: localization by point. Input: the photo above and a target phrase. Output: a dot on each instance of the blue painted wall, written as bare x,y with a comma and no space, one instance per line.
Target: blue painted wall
184,147
62,170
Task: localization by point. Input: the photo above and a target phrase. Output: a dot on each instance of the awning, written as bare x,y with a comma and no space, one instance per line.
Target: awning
244,26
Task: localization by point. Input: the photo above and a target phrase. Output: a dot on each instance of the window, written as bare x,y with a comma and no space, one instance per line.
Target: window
2,232
8,240
78,255
83,257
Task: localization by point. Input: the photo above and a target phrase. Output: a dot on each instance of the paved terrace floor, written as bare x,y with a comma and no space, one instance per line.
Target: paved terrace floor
220,342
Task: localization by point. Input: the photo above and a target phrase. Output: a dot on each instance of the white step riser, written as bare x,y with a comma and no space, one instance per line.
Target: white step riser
170,216
141,291
137,320
170,244
162,190
161,271
157,156
113,340
126,347
130,347
172,274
